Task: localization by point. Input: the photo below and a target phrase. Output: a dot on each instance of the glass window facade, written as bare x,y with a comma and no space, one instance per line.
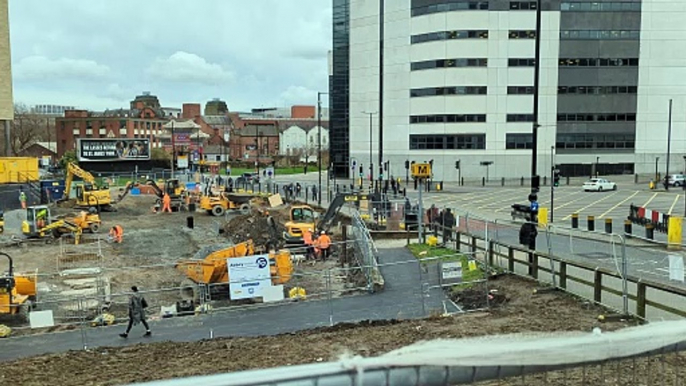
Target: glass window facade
448,142
519,141
339,84
457,90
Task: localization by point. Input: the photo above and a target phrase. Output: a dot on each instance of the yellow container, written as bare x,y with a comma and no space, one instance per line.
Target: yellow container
432,241
18,170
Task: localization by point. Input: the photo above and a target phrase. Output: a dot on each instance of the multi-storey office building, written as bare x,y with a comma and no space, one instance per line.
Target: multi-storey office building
458,84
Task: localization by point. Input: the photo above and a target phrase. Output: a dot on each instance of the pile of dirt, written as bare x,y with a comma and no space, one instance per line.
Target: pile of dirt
476,298
545,312
255,226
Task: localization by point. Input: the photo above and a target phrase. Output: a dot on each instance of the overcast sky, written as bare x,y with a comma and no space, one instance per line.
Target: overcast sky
99,54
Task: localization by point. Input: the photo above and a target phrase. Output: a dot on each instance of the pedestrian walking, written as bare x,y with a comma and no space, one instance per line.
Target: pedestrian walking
298,188
314,192
22,199
137,306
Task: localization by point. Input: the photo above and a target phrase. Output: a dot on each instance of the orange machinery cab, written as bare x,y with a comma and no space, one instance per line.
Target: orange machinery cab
16,291
213,269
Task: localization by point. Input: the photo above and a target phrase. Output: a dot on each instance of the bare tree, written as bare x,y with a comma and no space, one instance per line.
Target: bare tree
27,128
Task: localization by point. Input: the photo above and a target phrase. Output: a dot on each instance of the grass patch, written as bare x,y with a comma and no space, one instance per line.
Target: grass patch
427,254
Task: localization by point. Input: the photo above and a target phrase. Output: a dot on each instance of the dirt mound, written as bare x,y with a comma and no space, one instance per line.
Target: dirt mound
255,226
475,297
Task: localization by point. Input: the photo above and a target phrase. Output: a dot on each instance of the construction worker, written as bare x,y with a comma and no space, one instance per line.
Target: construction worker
116,234
323,245
307,239
166,203
22,199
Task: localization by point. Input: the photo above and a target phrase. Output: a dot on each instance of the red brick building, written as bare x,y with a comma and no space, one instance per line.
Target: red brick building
257,137
144,119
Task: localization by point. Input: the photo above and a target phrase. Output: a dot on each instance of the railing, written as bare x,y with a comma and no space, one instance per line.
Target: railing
591,277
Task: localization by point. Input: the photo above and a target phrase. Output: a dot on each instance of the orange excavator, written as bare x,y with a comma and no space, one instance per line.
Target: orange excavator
210,274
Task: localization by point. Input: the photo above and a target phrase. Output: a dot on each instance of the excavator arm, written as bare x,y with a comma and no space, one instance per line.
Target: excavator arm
341,199
75,170
155,187
62,224
129,185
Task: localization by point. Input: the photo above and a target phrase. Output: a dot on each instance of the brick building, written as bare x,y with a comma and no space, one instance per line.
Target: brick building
144,119
256,138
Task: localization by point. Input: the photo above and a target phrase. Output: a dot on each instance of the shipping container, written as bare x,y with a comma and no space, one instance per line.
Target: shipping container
18,170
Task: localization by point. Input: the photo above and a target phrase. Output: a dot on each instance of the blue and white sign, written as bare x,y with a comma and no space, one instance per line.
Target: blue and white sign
248,276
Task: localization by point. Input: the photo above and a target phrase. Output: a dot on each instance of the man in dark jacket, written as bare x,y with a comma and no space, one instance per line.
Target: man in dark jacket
448,225
137,306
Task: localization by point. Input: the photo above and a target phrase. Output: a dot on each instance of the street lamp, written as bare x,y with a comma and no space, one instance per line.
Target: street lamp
371,163
669,145
597,165
319,143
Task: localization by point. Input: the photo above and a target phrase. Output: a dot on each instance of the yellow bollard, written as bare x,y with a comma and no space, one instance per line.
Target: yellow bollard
651,185
542,217
674,234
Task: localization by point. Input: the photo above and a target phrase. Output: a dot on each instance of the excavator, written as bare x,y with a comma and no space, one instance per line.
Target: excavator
39,224
212,272
89,195
17,292
173,188
303,217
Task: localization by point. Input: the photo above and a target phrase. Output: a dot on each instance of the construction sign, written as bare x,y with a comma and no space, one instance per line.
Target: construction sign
421,171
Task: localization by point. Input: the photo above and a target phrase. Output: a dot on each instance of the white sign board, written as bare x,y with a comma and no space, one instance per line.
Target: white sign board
451,270
676,268
248,276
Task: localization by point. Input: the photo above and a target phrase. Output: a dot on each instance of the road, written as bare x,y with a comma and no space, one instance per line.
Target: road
494,203
402,297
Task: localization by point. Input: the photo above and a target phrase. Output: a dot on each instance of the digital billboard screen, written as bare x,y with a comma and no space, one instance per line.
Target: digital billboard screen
113,149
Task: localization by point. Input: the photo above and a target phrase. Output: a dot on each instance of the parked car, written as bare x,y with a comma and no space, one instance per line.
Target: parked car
676,180
598,185
248,178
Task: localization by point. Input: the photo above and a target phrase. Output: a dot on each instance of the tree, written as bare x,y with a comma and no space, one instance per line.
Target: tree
69,156
27,128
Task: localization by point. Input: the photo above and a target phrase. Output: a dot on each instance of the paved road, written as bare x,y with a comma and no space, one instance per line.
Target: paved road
402,298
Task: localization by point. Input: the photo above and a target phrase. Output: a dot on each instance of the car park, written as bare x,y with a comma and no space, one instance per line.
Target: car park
598,185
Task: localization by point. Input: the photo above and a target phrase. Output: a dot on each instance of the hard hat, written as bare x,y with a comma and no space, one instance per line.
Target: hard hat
323,232
309,229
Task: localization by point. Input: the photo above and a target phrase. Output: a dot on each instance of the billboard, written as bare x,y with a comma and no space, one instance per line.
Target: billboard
113,149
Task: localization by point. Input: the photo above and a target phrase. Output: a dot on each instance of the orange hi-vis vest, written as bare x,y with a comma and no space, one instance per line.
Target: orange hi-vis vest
323,242
307,237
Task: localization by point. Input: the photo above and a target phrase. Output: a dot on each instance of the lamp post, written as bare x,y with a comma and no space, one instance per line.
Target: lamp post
381,84
669,145
537,72
319,143
657,177
371,162
552,182
597,166
173,149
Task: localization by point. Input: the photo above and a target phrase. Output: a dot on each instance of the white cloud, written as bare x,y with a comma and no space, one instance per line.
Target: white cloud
299,95
42,68
184,67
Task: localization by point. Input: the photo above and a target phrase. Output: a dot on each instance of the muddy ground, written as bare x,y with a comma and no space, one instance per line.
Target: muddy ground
152,244
521,312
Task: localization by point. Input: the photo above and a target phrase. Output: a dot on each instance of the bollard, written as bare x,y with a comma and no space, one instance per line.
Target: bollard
575,220
521,182
608,225
567,180
189,222
502,181
591,223
545,180
627,227
635,178
483,181
462,181
649,231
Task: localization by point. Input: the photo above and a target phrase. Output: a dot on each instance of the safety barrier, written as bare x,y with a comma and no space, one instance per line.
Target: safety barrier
644,217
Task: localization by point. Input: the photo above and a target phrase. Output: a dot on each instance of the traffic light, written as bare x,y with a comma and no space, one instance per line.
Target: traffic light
556,177
407,164
385,166
457,164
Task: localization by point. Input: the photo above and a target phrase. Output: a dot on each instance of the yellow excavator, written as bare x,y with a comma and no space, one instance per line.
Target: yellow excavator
39,224
17,292
303,217
173,188
213,273
89,195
